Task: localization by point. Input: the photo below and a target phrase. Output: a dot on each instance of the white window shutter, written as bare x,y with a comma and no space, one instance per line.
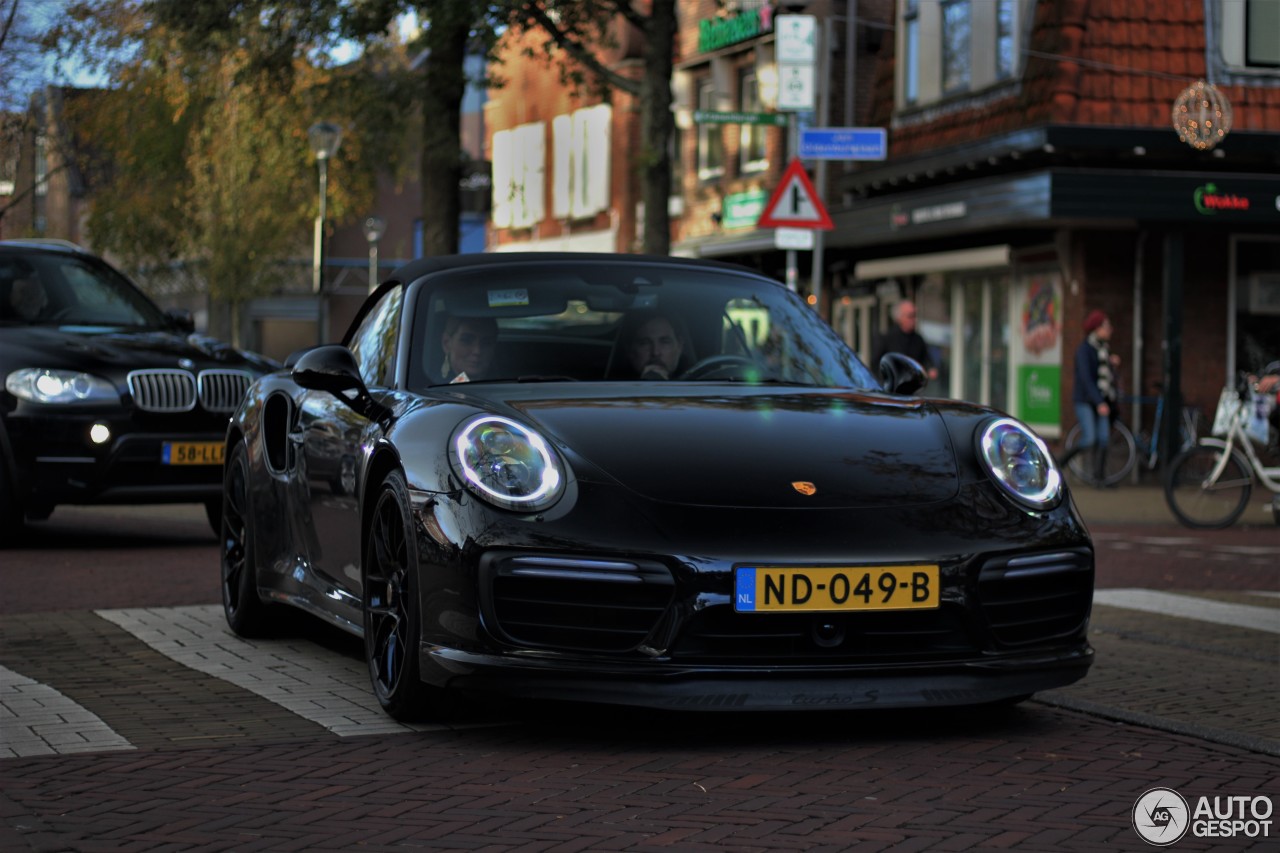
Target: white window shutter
502,179
600,128
561,177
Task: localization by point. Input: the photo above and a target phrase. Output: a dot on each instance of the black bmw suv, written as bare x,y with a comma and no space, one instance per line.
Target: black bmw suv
106,398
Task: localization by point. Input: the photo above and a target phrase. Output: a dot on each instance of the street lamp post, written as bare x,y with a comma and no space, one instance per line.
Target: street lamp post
374,228
324,138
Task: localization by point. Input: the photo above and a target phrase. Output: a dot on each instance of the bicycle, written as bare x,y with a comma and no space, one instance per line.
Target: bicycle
1124,449
1208,485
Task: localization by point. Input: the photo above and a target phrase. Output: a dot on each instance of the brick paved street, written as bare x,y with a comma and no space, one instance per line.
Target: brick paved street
158,730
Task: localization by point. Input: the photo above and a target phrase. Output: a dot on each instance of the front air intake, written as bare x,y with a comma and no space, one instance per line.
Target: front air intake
577,603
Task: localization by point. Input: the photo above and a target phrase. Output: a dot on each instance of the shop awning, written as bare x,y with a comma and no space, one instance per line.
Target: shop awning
982,257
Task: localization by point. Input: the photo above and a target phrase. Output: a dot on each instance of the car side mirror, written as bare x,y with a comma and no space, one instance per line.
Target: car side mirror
902,374
333,369
182,319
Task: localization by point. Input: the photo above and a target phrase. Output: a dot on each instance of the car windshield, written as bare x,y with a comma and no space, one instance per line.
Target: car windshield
45,288
621,321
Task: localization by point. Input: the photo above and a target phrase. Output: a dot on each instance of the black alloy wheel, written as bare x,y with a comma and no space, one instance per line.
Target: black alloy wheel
391,609
246,613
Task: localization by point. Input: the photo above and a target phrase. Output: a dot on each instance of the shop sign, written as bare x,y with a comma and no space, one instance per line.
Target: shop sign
899,218
1036,351
741,210
713,117
1209,200
715,33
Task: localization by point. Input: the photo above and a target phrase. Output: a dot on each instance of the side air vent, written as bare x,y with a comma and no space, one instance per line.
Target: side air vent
577,603
1034,598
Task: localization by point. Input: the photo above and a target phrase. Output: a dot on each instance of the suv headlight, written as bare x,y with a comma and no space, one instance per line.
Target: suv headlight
507,464
39,385
1020,463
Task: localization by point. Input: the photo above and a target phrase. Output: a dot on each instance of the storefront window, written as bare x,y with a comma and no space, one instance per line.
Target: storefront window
1257,303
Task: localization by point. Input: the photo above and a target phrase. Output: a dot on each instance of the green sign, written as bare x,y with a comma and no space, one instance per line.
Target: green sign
741,210
710,117
1038,400
715,33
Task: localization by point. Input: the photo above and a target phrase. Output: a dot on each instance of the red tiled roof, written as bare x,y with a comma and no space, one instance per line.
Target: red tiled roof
1090,62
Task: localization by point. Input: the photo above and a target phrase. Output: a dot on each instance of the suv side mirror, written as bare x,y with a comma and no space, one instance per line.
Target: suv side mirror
182,319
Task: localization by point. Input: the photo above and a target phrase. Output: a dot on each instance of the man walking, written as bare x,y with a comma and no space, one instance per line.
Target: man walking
903,338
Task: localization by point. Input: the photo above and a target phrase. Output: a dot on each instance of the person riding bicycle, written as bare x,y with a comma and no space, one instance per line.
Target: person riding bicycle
1095,393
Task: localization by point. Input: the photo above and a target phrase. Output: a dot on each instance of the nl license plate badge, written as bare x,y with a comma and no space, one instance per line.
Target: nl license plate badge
192,452
768,589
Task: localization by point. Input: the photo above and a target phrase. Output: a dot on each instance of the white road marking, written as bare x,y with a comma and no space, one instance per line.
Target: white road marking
35,719
322,686
1189,607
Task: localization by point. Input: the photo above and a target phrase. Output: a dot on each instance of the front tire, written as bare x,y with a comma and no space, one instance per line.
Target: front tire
11,518
246,613
1195,501
392,617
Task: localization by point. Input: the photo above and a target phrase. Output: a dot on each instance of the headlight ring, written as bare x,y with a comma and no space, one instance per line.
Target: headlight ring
59,387
507,464
1020,463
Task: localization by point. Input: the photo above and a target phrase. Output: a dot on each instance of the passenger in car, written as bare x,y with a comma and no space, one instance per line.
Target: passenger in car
469,344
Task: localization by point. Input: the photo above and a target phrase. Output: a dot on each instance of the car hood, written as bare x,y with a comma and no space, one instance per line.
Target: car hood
797,448
111,351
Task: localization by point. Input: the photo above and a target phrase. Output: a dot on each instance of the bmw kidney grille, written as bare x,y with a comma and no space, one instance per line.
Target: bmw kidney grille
167,390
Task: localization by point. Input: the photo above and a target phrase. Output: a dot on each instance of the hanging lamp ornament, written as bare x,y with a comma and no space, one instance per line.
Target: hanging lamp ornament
1202,115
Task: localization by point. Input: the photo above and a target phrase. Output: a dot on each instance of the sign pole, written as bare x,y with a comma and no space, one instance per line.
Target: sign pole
793,271
820,175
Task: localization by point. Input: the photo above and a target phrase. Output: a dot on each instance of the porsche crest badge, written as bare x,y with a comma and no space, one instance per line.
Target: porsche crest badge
804,487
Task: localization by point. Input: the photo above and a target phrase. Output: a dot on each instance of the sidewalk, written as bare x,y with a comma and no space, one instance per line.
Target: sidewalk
1145,504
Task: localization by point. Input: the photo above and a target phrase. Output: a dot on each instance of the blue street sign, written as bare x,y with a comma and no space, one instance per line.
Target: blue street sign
844,143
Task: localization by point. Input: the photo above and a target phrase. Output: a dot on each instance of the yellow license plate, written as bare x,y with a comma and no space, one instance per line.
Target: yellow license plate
192,453
809,589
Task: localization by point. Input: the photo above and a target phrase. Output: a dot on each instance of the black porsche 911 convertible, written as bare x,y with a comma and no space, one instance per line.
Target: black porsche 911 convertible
646,481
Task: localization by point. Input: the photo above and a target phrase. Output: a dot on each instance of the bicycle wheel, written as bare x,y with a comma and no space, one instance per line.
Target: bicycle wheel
1121,455
1197,502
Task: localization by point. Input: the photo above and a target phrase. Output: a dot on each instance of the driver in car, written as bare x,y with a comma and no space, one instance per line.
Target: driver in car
28,297
655,348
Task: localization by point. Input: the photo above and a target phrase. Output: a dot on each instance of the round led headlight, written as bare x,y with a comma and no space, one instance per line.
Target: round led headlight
507,464
1018,460
39,385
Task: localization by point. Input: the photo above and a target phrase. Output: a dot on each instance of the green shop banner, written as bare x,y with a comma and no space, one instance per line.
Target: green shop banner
742,210
1038,403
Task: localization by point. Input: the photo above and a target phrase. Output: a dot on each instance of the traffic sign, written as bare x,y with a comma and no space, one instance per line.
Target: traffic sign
844,143
795,203
796,38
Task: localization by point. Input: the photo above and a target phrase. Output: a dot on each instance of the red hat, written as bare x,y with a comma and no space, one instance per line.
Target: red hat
1095,319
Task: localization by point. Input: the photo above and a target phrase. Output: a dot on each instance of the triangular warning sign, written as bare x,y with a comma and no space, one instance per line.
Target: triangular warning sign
795,203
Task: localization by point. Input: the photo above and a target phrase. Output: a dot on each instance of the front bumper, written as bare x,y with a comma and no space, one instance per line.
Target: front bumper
57,463
760,688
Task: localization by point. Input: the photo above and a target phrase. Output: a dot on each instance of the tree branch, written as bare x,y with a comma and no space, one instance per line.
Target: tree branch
580,53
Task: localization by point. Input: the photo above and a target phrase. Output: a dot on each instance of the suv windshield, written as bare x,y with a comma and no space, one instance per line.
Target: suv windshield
617,322
50,288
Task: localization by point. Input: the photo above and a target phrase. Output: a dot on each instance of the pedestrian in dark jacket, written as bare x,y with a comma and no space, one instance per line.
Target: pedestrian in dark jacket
1094,394
903,338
